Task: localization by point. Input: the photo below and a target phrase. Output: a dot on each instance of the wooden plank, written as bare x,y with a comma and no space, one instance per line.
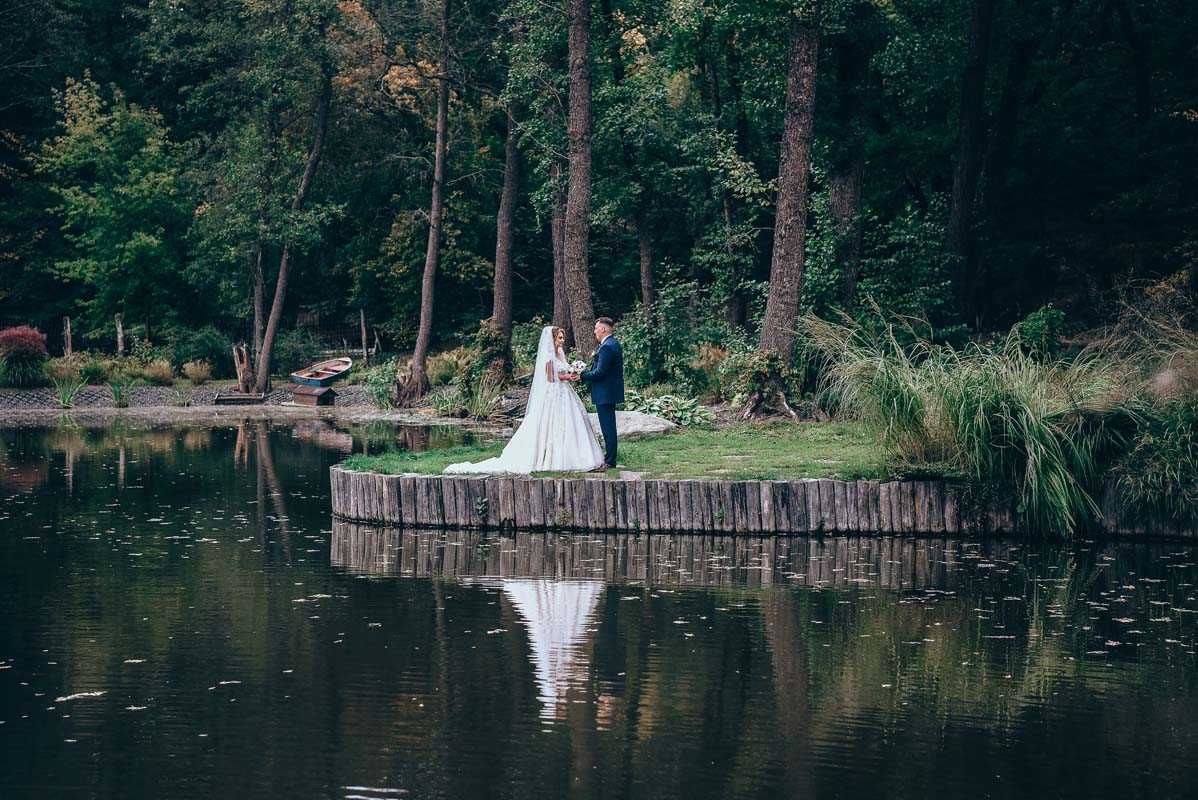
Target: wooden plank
935,506
674,499
704,505
597,504
392,513
436,502
536,502
663,506
727,520
885,522
449,502
769,523
507,502
907,508
752,494
407,499
796,502
827,504
521,514
841,493
952,519
634,504
619,504
919,506
492,518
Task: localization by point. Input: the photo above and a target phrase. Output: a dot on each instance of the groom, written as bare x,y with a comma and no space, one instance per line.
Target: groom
606,379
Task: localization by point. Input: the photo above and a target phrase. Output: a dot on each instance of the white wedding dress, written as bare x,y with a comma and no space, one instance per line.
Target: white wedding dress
555,435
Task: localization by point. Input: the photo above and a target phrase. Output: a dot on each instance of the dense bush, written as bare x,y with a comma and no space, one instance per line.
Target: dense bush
198,372
448,366
23,356
379,382
1040,332
206,344
66,368
158,372
295,349
525,337
95,370
667,344
1158,479
1043,431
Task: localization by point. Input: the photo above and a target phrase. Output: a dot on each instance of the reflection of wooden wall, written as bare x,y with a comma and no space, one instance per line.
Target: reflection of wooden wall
599,504
890,562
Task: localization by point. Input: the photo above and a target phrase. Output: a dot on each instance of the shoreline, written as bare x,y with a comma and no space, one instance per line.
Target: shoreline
800,506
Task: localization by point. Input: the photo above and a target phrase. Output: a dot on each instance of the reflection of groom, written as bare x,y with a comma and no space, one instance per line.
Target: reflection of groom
606,378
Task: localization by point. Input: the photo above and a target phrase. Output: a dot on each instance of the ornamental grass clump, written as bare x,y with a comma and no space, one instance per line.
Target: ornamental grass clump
23,357
1041,429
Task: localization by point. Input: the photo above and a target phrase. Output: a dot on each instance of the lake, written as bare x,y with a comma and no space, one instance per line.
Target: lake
181,618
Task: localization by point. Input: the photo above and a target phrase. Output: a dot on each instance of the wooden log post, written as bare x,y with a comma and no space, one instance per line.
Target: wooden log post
120,335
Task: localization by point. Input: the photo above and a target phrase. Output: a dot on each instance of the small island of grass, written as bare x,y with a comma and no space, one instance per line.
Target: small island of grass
738,452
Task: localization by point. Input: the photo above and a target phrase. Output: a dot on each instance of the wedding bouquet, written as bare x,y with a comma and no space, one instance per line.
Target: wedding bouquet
577,367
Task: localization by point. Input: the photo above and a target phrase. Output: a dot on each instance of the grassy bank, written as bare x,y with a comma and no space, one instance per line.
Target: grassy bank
740,452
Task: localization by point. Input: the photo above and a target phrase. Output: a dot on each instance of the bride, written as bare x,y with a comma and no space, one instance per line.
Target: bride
555,434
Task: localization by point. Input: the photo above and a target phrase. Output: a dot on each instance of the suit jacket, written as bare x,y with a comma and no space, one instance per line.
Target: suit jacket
606,375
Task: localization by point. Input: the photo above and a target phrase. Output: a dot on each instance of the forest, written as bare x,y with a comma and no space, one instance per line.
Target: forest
221,170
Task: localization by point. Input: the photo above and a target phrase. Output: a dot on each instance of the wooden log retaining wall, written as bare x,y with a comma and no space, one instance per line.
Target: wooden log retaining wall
820,505
807,505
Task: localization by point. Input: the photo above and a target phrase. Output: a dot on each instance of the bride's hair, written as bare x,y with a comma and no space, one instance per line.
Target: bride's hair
559,338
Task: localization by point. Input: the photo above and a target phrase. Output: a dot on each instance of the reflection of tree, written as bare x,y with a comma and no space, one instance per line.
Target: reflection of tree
268,483
788,655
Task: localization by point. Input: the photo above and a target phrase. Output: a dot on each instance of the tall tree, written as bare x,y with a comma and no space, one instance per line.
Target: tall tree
576,235
557,234
502,306
417,379
778,329
971,142
320,124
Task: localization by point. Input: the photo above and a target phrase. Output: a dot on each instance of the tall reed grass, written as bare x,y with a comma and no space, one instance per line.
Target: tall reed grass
1042,430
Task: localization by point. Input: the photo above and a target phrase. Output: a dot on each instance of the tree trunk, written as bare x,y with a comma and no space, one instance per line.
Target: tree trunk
790,224
319,126
848,171
578,193
67,344
844,201
417,380
362,327
557,233
502,309
644,243
971,136
120,335
259,301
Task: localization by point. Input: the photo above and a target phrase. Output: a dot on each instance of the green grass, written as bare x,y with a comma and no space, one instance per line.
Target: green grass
740,452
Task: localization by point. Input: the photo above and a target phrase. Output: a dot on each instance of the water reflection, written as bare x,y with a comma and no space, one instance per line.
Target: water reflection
889,562
180,619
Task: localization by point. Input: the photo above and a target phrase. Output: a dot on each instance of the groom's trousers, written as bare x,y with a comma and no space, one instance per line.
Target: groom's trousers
607,423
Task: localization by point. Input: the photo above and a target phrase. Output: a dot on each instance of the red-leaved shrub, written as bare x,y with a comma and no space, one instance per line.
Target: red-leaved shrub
23,343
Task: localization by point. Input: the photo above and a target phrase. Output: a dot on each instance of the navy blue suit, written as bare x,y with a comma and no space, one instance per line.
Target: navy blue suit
606,379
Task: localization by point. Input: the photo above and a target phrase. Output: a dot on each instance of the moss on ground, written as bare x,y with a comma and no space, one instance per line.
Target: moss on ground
738,452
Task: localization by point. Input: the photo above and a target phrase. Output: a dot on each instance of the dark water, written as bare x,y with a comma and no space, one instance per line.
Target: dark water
182,619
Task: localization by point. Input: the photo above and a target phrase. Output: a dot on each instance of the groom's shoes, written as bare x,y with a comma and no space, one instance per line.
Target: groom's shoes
602,468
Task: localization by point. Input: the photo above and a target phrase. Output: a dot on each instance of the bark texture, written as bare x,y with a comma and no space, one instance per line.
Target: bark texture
790,224
319,128
502,308
971,140
416,383
578,193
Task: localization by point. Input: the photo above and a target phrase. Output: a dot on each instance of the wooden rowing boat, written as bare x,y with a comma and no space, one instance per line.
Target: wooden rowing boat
322,374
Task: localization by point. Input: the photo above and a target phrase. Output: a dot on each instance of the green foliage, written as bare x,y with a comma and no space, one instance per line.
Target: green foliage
197,372
95,370
525,336
1040,332
295,349
124,205
446,367
158,372
206,344
1042,431
1158,478
445,400
683,411
23,357
754,373
379,382
667,344
483,398
66,389
121,386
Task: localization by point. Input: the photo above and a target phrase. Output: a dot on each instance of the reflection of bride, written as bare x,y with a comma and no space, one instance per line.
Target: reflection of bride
556,615
555,434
